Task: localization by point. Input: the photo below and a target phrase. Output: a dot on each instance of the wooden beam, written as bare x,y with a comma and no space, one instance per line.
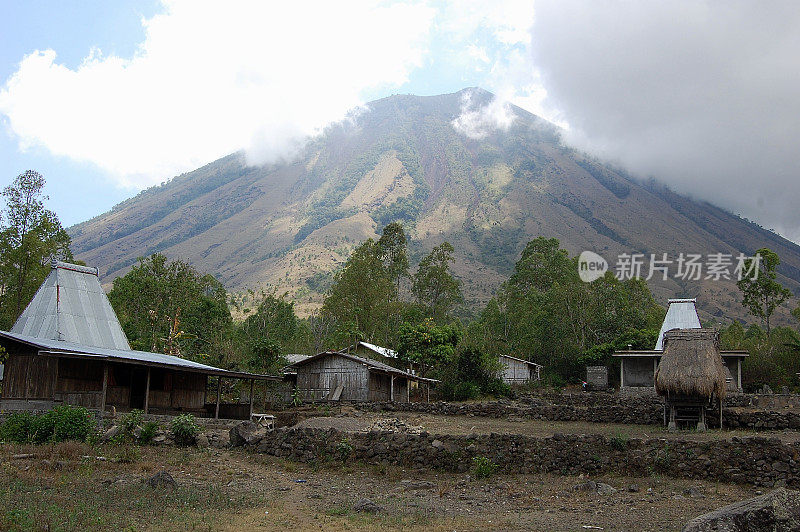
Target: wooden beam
621,372
428,390
219,386
105,388
408,391
147,393
739,373
252,382
391,388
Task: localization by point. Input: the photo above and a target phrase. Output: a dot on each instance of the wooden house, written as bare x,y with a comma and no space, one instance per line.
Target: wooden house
68,347
638,367
338,375
518,371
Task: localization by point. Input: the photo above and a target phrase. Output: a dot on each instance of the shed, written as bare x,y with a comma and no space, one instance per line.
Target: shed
68,347
338,375
637,368
518,371
691,374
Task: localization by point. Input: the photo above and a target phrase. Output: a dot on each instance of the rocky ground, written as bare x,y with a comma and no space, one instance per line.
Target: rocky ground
74,487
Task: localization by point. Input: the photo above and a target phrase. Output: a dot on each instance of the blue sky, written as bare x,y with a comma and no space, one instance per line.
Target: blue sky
107,98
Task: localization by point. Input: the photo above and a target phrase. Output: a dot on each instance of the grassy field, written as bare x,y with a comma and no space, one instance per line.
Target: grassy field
73,486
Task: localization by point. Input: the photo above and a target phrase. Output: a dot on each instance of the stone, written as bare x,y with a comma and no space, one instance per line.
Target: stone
111,433
605,489
202,441
159,438
246,433
417,485
633,488
693,492
437,444
778,511
367,506
589,485
162,479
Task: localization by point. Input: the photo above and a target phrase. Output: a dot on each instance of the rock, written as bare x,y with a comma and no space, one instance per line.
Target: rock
159,438
202,441
137,433
22,456
111,433
162,479
633,488
605,489
417,485
589,485
777,511
438,444
693,492
367,506
246,433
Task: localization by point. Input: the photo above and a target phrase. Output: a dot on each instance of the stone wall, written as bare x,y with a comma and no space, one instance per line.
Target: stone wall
757,461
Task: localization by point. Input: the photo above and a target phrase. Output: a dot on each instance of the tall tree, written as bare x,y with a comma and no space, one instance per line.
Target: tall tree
434,285
392,247
267,334
358,299
761,293
29,235
428,345
170,307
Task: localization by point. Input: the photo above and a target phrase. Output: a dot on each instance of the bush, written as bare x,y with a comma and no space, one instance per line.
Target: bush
149,430
464,391
184,429
482,467
496,387
71,423
43,426
130,421
17,427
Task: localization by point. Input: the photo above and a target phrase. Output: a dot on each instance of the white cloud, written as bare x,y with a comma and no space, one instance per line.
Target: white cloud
213,78
477,120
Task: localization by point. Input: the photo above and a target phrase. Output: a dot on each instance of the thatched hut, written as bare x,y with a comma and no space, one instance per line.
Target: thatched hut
691,375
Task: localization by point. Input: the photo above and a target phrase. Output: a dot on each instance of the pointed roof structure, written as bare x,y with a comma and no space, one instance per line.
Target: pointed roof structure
681,314
71,306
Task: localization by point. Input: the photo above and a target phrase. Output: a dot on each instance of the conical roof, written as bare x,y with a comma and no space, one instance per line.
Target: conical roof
681,314
71,306
691,364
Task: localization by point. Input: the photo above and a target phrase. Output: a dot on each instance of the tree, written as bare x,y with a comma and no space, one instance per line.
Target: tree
361,292
761,293
392,248
29,236
169,307
434,286
428,345
266,335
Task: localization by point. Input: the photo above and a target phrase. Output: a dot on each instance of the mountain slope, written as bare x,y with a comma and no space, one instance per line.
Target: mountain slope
288,226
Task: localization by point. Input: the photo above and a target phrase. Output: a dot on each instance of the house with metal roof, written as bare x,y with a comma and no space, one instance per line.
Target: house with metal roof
342,376
68,347
518,371
638,367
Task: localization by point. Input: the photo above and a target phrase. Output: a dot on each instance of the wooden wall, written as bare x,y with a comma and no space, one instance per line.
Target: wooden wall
514,371
317,379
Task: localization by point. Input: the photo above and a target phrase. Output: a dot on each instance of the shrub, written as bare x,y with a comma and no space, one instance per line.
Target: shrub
619,441
130,421
483,467
344,449
71,423
466,390
43,426
17,427
184,429
496,387
149,430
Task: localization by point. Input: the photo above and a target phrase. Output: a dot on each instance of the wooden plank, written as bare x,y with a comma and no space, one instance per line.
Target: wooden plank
251,397
147,392
219,389
105,387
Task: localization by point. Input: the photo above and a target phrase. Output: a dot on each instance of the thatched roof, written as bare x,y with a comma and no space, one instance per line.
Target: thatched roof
691,364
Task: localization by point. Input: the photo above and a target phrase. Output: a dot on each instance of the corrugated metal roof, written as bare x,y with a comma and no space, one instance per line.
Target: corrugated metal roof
520,360
124,355
294,358
681,314
383,351
373,364
71,306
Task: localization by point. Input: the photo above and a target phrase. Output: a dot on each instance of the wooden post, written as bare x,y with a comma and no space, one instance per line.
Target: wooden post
621,372
391,388
738,374
720,413
428,390
219,386
408,391
105,388
252,383
147,392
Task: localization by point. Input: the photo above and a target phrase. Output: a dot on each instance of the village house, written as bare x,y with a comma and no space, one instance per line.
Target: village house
68,347
338,375
518,371
638,367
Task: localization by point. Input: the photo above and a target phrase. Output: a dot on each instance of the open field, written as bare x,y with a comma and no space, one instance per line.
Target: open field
66,487
350,420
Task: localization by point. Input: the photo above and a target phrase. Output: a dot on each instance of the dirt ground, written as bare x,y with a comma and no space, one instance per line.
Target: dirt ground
67,487
351,420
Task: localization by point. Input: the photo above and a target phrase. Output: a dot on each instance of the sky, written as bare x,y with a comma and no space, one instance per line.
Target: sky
107,98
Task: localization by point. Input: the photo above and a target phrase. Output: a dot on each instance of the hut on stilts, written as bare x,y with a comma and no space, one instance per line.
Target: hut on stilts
691,376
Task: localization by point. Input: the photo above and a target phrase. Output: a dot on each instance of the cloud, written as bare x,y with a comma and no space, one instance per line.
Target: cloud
700,95
478,120
213,78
